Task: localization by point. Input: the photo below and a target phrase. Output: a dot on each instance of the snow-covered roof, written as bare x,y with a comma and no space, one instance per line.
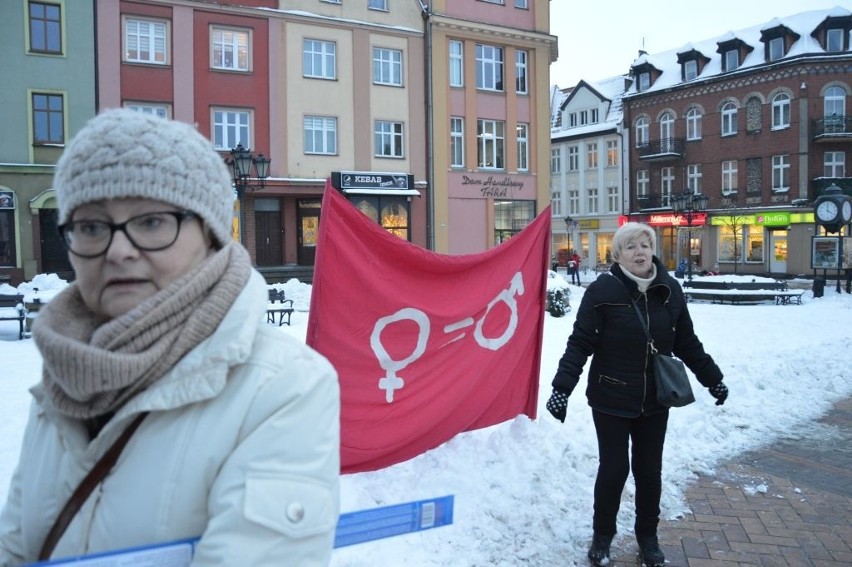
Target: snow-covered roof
802,24
608,90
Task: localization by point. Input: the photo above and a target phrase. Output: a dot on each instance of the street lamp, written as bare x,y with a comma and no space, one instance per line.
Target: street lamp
689,203
243,163
570,226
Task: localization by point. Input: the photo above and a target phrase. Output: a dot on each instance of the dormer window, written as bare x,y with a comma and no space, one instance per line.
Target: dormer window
776,48
644,81
834,40
732,60
690,70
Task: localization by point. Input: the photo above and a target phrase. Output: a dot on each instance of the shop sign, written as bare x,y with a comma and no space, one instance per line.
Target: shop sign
780,218
672,219
733,220
491,186
371,180
589,224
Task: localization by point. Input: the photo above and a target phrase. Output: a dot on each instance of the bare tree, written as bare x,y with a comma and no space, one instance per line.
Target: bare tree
735,222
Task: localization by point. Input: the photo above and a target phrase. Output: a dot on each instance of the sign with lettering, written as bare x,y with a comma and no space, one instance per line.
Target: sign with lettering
344,180
494,185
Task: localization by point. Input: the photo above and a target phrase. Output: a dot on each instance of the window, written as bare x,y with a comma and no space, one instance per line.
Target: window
834,40
690,69
732,60
780,173
521,86
667,179
644,81
754,243
776,48
834,102
780,111
388,139
511,217
693,124
456,64
45,28
319,59
387,66
160,110
8,230
573,158
729,177
612,199
667,122
524,4
730,249
593,116
320,135
555,201
391,212
555,160
145,41
591,156
573,200
230,49
489,67
572,120
48,119
643,183
378,5
693,177
490,141
835,164
457,141
642,132
584,117
231,127
611,153
729,119
592,195
523,146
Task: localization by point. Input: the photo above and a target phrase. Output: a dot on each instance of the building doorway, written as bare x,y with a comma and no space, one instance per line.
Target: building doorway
269,234
778,246
307,217
54,257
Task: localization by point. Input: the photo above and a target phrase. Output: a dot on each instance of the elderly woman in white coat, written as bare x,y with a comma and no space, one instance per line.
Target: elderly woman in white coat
233,427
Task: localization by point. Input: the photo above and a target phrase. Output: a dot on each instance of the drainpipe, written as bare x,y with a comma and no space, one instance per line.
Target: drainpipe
430,134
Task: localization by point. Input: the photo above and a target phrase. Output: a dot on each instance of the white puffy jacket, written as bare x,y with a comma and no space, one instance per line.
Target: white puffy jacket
241,448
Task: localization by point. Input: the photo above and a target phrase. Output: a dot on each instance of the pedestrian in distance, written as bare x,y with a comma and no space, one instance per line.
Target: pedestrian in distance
629,422
229,429
574,267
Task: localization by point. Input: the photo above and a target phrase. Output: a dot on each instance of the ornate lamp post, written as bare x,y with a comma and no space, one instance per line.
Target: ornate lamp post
688,204
243,163
570,226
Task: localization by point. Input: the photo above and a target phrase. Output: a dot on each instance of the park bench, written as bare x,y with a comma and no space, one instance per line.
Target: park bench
742,292
12,309
278,305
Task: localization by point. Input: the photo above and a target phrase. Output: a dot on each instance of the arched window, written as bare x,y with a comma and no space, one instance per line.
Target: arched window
642,132
693,124
667,126
835,102
729,119
781,111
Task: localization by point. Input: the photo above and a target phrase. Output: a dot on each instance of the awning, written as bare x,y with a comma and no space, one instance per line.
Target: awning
403,192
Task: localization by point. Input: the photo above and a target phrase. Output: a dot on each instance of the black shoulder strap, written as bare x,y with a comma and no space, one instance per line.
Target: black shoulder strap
85,488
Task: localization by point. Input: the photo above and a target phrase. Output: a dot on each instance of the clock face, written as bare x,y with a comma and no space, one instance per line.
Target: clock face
846,211
826,211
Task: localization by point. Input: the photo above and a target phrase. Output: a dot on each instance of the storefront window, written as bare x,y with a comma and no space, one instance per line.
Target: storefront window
511,217
605,248
754,244
394,212
730,250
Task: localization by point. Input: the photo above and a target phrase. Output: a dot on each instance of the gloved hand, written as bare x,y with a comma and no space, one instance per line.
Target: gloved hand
720,392
557,405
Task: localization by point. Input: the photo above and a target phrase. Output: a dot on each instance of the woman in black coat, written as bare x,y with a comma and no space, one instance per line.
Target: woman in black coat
621,389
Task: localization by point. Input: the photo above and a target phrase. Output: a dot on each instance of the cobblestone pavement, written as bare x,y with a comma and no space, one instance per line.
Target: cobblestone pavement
789,504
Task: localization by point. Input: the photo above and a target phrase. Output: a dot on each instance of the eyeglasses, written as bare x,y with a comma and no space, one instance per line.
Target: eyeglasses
149,232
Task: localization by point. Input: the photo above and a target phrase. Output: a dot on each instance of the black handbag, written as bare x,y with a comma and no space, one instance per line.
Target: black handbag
673,389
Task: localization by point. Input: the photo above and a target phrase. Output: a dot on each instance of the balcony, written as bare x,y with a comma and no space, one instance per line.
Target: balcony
666,149
832,129
653,201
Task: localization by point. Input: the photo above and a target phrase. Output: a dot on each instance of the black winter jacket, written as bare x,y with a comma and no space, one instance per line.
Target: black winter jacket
621,380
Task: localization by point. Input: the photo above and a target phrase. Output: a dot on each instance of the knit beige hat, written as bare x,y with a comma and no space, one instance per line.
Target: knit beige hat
123,153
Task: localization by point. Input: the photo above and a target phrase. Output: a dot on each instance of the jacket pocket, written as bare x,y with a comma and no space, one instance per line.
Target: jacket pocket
294,506
604,379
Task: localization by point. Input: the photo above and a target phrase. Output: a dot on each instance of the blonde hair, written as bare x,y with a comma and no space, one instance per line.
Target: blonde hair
629,232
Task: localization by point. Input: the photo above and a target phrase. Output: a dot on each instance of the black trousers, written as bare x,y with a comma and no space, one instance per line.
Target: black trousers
646,434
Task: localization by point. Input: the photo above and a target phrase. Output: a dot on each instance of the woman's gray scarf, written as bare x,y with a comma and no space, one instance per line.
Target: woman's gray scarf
92,367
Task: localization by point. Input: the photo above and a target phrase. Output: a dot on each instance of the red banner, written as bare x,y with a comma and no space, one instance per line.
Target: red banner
426,345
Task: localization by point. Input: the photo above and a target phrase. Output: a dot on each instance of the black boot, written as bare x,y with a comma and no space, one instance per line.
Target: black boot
599,551
650,552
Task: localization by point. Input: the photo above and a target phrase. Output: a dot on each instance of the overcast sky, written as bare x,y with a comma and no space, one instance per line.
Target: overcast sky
600,39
